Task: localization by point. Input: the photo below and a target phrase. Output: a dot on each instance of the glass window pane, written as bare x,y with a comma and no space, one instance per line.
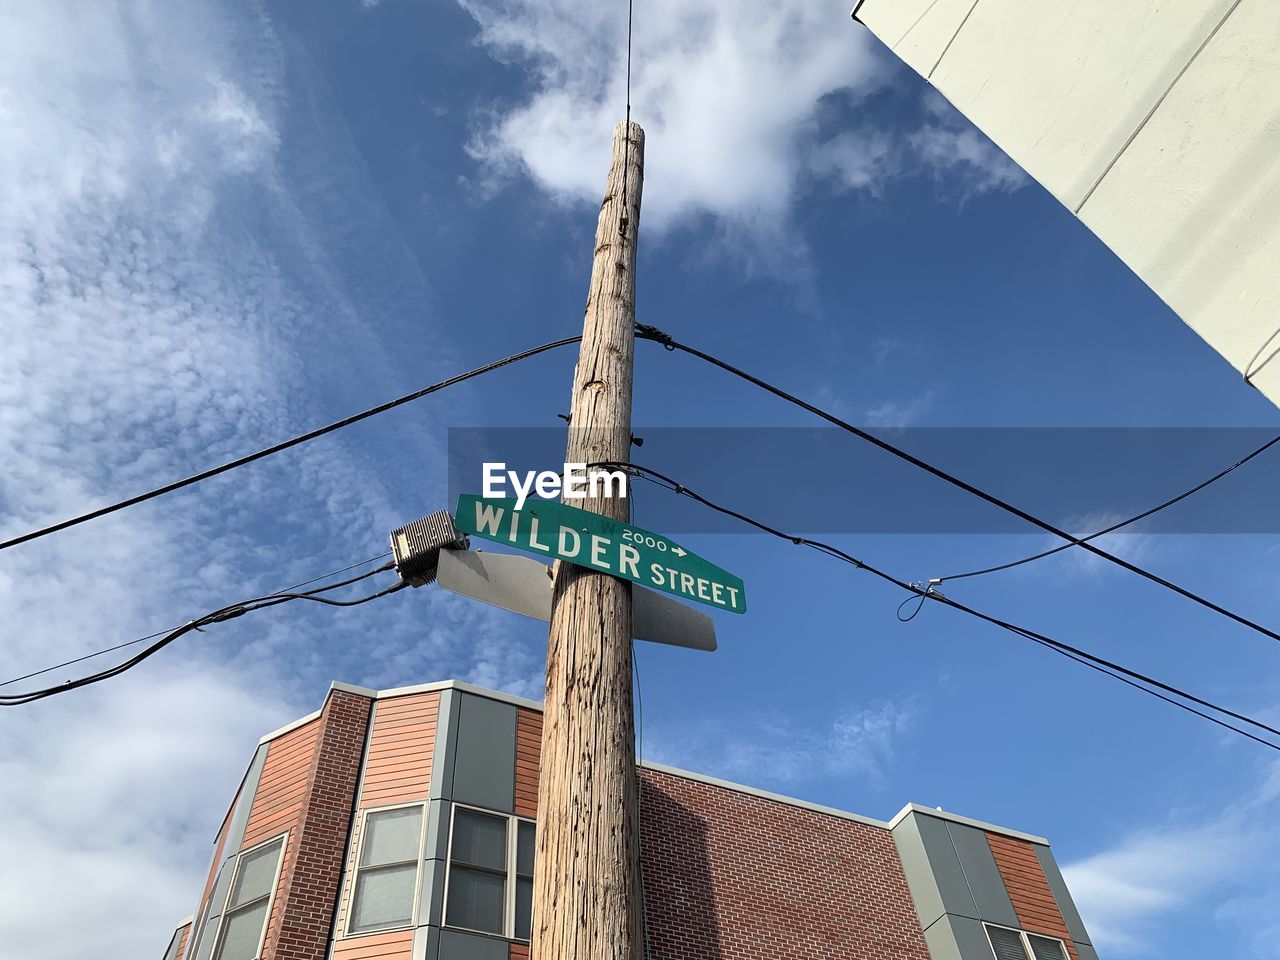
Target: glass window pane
242,932
1007,944
384,897
524,907
480,839
476,900
391,836
1046,948
524,849
257,871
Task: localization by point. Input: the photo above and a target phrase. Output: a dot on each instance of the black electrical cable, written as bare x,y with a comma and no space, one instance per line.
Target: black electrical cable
152,636
1115,670
286,444
220,615
1123,523
646,332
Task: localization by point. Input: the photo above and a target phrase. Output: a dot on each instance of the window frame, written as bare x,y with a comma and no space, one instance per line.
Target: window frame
511,880
357,867
228,910
1024,936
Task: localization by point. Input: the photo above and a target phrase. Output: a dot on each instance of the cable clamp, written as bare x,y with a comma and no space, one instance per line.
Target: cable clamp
921,593
656,335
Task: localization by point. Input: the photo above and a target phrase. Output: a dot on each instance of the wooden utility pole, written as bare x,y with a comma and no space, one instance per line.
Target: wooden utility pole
586,887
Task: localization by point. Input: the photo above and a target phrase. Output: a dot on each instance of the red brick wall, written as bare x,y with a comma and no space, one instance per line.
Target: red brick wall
1029,891
300,925
730,875
182,942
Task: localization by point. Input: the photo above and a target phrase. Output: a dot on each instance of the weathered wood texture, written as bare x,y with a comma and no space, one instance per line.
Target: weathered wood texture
587,879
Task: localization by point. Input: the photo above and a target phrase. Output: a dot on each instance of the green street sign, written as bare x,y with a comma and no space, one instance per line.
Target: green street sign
551,529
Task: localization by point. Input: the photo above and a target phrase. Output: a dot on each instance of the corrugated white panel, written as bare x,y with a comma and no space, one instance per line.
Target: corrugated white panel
1158,121
1193,206
1062,86
916,30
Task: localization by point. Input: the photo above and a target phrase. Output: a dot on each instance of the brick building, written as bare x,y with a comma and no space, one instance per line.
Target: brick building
398,825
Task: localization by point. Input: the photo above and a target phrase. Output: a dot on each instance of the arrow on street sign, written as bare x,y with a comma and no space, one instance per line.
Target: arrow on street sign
556,531
523,585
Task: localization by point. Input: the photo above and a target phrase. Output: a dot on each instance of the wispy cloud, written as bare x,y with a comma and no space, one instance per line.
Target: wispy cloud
776,750
945,148
1136,547
1226,865
959,157
162,276
899,413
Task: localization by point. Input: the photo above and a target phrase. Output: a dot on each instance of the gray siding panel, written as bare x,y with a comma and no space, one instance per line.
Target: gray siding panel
1075,926
426,944
484,768
172,952
442,761
953,888
216,900
456,945
971,939
200,942
920,879
986,886
431,896
240,819
437,844
1086,951
957,938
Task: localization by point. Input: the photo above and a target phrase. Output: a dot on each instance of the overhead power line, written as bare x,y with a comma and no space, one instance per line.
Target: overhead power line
1123,523
652,333
220,615
1133,678
152,636
286,444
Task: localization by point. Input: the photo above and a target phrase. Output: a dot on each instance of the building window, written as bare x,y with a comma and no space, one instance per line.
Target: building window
244,922
1010,944
1046,948
490,885
385,890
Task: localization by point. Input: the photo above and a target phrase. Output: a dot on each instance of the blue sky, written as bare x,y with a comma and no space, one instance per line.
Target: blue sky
225,224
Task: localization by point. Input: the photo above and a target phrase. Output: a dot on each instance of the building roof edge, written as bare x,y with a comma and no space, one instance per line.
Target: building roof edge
911,808
743,788
763,794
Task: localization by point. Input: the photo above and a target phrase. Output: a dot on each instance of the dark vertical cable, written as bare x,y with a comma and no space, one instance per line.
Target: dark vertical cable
626,143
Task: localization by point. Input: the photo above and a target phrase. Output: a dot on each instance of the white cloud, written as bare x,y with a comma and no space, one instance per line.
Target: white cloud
728,93
723,89
776,750
103,797
858,161
1223,866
